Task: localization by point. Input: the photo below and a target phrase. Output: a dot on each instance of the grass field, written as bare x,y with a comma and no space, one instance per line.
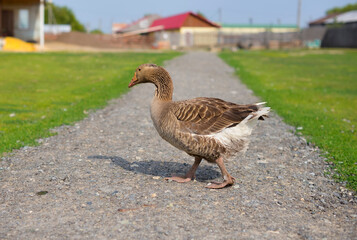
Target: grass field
316,91
39,91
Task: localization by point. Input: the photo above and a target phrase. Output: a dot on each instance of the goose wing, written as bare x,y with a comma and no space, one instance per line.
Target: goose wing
206,116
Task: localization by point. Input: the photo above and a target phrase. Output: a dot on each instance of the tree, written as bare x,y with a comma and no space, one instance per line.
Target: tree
64,15
347,8
200,14
96,31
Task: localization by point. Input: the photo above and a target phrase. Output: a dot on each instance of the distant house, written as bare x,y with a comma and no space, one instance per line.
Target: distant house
336,18
322,21
23,19
140,26
57,28
344,18
116,27
343,31
184,30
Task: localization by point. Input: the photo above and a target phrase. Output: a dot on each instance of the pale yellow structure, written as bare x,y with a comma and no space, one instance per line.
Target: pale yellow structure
209,36
259,28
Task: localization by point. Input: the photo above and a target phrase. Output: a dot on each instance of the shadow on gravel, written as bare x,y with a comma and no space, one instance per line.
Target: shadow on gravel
162,169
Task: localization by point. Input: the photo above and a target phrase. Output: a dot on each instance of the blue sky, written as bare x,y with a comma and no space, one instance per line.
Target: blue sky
101,14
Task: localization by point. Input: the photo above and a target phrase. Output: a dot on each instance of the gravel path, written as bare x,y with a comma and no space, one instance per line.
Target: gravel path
104,177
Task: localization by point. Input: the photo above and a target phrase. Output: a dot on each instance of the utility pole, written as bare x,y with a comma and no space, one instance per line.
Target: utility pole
298,15
220,15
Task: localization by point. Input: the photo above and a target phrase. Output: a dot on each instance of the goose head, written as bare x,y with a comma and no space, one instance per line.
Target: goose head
151,73
143,74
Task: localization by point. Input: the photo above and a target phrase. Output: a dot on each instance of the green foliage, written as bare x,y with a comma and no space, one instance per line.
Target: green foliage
64,15
314,89
347,8
199,13
96,31
40,91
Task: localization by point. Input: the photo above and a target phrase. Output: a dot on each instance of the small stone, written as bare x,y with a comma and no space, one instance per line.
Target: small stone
153,195
124,222
53,178
156,177
12,115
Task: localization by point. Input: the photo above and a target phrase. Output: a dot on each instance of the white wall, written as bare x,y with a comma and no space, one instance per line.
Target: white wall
33,30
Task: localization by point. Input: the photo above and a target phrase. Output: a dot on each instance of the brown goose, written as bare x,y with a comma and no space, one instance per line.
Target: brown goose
205,128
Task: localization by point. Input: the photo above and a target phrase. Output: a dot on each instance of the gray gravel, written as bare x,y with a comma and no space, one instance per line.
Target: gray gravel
103,177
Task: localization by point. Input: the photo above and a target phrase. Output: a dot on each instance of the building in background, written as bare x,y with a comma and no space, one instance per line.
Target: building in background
23,19
257,28
116,27
184,30
336,18
57,28
140,26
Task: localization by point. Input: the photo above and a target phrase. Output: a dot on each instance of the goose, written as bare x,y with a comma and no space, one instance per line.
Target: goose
205,128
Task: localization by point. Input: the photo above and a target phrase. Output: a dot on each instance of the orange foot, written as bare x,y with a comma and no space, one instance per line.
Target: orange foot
225,183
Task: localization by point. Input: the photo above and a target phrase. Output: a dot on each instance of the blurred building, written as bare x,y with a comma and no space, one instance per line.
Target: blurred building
139,26
57,28
184,30
339,30
346,18
257,28
116,27
322,21
23,19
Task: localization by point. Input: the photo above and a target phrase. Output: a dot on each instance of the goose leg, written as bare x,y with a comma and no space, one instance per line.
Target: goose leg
228,179
189,175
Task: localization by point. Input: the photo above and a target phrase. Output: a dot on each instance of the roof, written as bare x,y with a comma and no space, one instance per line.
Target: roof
323,19
118,26
140,24
225,25
346,17
177,21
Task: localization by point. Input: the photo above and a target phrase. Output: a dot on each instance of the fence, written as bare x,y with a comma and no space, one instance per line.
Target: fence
343,37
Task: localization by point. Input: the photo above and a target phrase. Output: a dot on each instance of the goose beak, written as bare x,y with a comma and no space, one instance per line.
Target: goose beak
133,81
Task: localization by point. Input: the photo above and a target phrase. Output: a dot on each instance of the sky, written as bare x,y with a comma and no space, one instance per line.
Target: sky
101,14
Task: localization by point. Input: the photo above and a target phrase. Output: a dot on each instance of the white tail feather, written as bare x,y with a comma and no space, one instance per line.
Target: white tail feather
261,103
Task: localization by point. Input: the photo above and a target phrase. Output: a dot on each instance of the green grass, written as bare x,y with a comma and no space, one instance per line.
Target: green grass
315,90
40,91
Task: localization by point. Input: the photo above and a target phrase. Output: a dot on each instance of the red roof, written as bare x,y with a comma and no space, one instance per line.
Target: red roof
177,21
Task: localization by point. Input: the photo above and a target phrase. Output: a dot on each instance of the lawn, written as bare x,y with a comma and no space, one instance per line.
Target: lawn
315,91
39,91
